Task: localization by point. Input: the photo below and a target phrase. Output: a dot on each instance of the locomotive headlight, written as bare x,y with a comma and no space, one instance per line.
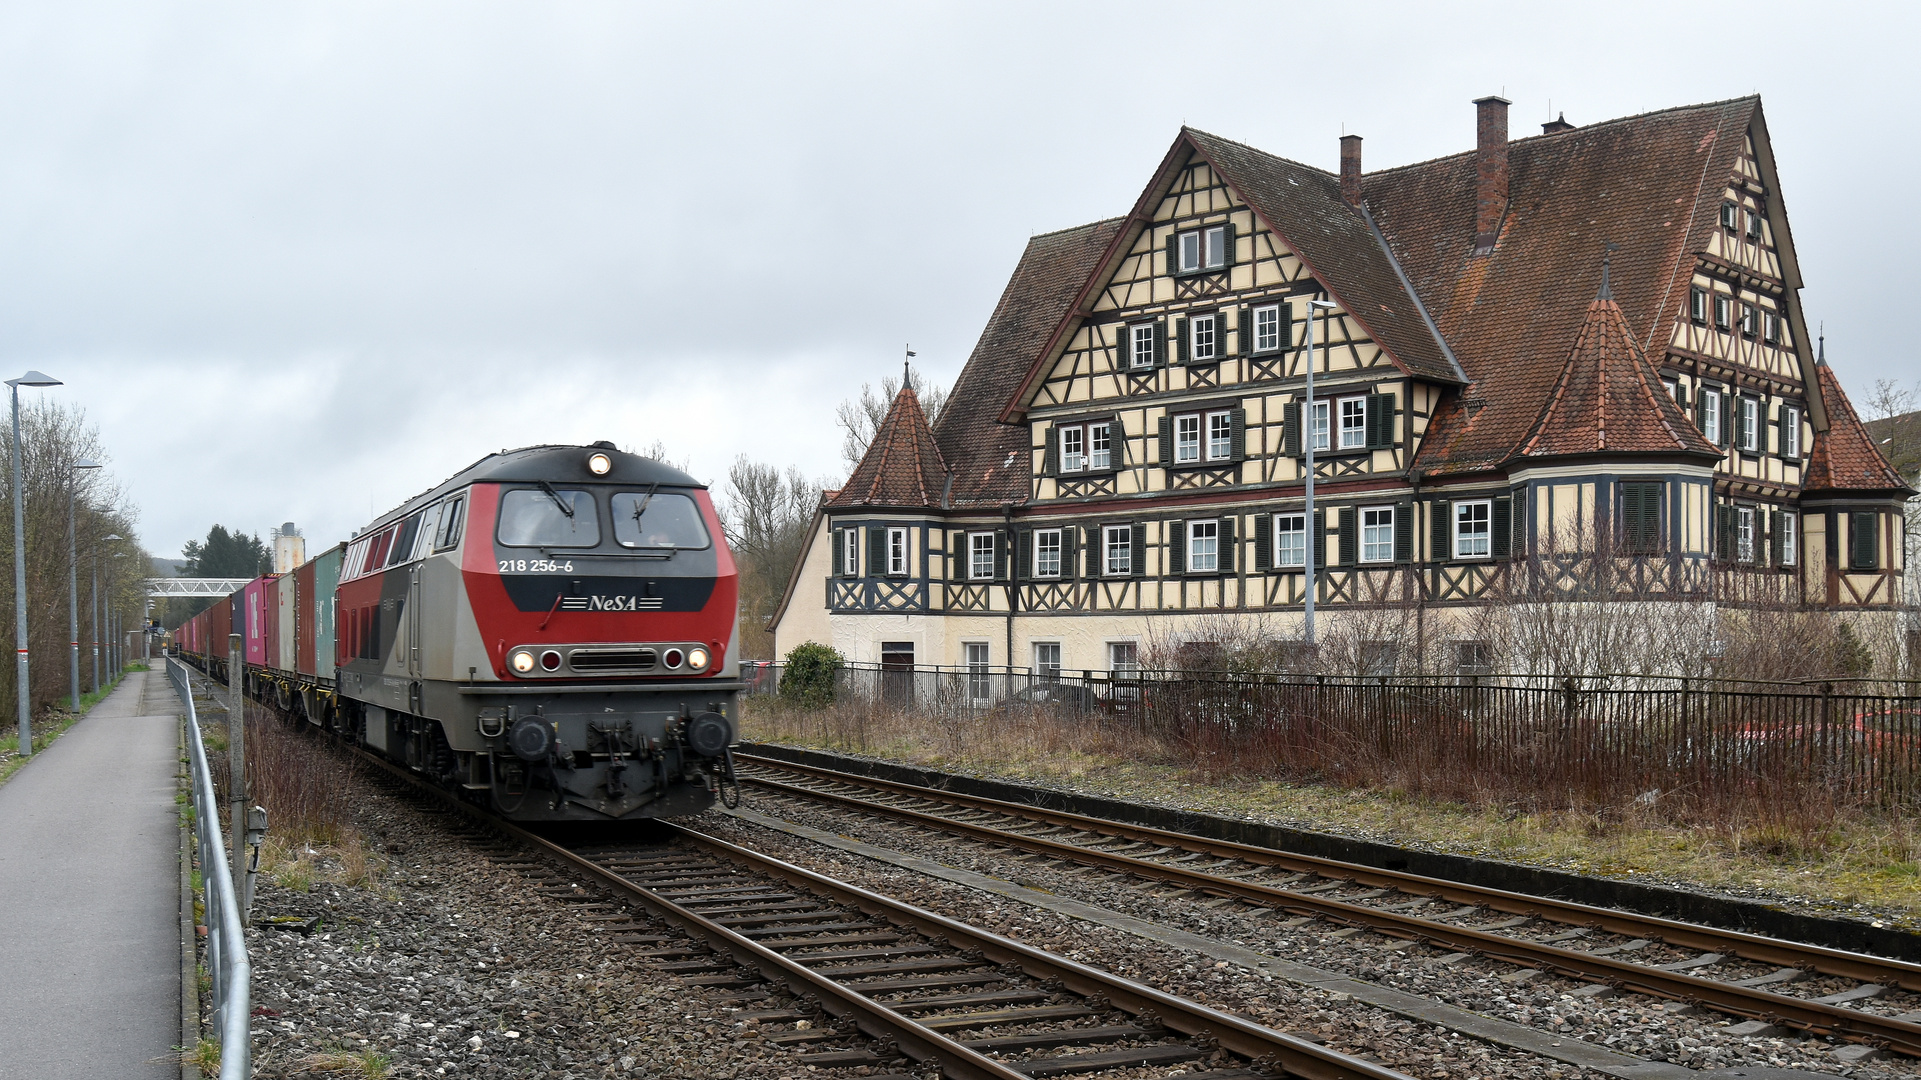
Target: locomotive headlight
697,659
600,464
521,661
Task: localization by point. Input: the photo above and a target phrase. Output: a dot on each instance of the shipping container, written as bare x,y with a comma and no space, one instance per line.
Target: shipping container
326,569
254,620
286,602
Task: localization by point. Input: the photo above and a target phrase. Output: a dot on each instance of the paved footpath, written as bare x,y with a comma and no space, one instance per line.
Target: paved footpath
90,896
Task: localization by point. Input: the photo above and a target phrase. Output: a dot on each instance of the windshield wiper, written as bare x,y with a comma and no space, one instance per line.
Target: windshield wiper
558,501
642,508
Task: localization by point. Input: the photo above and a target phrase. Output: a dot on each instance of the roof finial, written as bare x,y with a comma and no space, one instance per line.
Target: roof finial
907,368
1609,248
1821,354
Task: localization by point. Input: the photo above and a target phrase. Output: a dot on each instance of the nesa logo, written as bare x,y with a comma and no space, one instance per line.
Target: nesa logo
610,603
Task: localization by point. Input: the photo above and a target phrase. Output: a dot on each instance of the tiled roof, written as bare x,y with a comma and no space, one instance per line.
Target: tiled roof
902,466
992,461
1651,184
1304,206
1609,399
1844,456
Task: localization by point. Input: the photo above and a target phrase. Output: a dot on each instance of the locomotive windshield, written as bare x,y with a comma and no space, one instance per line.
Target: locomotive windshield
645,519
549,518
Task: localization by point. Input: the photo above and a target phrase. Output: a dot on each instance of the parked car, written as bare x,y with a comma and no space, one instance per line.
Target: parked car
1066,697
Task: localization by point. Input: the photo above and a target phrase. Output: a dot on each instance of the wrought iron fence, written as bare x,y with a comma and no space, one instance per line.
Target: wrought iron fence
1604,739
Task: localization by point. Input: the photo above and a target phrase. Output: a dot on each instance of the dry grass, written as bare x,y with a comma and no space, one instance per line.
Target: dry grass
1841,859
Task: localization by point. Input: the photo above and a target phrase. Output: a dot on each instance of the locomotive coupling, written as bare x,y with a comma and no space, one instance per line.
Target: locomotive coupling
709,734
532,739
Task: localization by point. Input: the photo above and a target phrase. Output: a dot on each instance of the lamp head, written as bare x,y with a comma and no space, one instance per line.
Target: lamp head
1325,305
34,378
84,463
113,536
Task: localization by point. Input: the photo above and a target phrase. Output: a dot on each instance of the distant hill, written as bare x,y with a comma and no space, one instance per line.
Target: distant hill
1899,437
166,567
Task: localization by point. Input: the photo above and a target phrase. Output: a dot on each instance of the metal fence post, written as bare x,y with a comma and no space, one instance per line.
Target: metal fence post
237,752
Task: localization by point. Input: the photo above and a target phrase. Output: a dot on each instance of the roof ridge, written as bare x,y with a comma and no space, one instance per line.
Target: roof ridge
1076,228
1330,174
1598,124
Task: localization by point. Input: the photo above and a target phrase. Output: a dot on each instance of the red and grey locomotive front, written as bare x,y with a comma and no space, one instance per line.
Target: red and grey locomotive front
553,629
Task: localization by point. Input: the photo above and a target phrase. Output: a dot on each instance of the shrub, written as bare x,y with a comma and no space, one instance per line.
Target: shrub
808,678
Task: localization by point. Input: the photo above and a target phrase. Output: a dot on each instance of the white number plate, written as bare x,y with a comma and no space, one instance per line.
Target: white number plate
536,566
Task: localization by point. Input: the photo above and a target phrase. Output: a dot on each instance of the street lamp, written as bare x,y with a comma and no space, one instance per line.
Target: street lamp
108,539
73,576
114,658
1315,537
31,378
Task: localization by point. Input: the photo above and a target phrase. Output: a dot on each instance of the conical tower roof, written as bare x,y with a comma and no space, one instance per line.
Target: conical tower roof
1844,457
902,467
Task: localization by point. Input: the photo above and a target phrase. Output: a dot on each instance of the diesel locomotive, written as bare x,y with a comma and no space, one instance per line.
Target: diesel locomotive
552,631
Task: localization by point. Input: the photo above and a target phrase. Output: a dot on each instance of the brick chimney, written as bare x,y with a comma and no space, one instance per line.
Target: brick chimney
1490,168
1351,169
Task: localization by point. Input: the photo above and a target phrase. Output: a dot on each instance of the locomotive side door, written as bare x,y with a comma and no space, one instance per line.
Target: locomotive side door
413,621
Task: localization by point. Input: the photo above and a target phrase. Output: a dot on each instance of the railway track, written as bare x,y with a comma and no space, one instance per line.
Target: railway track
1610,950
877,982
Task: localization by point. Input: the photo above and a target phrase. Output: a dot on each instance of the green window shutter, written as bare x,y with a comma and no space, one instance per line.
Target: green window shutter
1727,408
1237,438
1167,440
1864,529
1123,347
876,550
1050,452
1380,421
1180,341
1227,245
1116,441
1681,397
1002,541
1317,538
957,556
1502,528
1774,537
1173,253
1244,332
1138,559
1403,532
1350,536
1160,342
1291,429
1287,324
1176,547
1263,541
1025,558
835,569
1439,531
1230,545
1723,532
1070,552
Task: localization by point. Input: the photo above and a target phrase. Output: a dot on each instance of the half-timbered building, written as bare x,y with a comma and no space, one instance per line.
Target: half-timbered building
1574,362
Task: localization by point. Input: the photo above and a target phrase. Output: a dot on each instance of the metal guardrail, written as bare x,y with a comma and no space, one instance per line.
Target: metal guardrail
226,938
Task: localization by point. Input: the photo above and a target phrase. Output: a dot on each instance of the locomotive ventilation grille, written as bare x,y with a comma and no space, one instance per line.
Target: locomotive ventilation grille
610,660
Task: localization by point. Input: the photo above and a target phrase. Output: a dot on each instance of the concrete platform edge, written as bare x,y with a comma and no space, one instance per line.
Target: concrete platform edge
189,939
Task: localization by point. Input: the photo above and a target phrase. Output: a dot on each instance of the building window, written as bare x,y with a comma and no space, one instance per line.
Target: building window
1085,446
1730,216
980,683
1723,312
1047,553
1750,425
1073,448
1641,517
1353,423
980,561
1771,327
1320,431
1203,546
1754,225
1744,534
1698,305
1140,348
1711,415
1790,431
1290,540
1267,328
1789,539
1864,540
1473,529
1473,658
897,551
1377,534
850,552
1220,436
1673,388
1187,438
1123,657
1202,249
1750,319
1380,658
1047,659
1204,338
1117,550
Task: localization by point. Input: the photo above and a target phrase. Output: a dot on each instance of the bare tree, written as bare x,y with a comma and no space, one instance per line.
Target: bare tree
766,514
860,420
1891,408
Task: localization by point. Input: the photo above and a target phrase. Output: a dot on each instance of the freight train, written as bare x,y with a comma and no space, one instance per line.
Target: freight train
552,632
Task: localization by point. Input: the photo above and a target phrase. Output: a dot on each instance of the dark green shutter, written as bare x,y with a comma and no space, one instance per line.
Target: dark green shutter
876,551
1123,347
1070,552
1230,544
1727,404
1138,557
1024,556
1263,541
1173,254
1116,441
1051,451
1287,325
1350,536
1176,548
1774,538
1681,396
1180,341
834,538
1439,529
1380,421
1403,532
1723,531
1291,429
1227,245
1167,440
957,558
1864,539
1237,436
1244,331
1317,538
1160,342
1502,527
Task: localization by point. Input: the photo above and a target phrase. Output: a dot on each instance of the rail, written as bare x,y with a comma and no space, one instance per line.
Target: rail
226,940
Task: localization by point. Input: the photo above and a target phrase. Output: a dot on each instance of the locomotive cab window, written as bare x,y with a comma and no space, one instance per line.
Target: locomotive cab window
452,517
657,520
544,517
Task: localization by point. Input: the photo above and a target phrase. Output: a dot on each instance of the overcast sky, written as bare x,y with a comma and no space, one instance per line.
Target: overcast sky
300,261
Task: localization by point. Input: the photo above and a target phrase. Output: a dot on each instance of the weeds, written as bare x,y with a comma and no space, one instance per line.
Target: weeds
365,1064
205,1056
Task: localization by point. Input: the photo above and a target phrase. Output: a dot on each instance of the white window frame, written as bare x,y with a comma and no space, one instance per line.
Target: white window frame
1095,440
1202,249
1073,447
1698,305
1710,399
1673,387
1047,659
1187,442
1220,435
1210,323
1320,427
1771,327
1790,537
1188,246
1041,549
1791,431
1744,534
1121,551
1476,541
1353,407
977,657
1100,445
1750,320
1267,329
1371,545
897,552
1750,424
1723,311
1286,556
1140,345
978,545
1123,657
850,552
1204,546
1754,225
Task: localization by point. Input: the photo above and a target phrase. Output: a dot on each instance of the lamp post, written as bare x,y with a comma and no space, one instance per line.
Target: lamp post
115,659
109,538
31,378
73,575
1315,537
